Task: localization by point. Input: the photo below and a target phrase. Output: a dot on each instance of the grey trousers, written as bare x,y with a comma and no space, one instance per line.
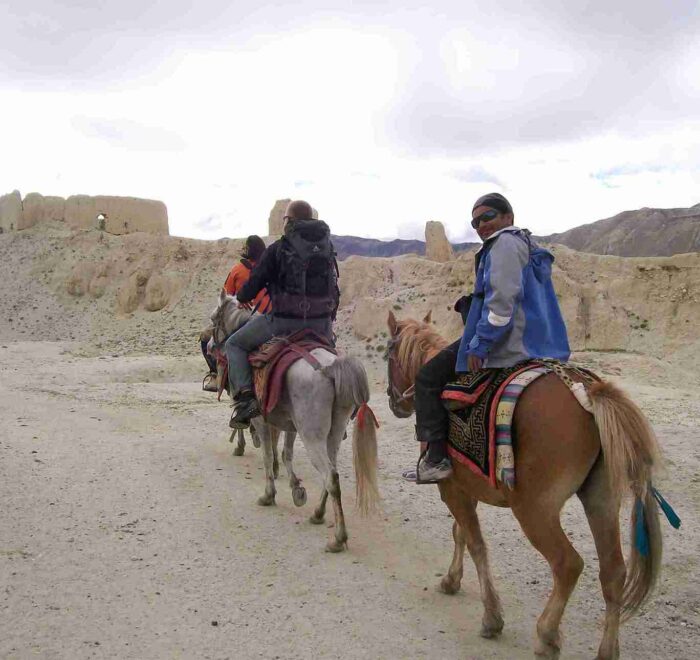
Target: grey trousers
255,333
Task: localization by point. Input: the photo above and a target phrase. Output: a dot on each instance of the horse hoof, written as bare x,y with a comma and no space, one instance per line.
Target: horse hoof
491,630
266,500
316,520
299,495
238,451
335,546
545,649
449,586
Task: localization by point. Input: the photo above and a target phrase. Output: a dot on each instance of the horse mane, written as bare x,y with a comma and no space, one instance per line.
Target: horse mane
416,343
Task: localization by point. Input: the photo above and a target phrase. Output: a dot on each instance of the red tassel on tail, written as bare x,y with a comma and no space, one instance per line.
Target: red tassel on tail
362,414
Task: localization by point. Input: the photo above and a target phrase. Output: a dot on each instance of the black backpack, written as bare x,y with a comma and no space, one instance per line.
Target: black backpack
308,272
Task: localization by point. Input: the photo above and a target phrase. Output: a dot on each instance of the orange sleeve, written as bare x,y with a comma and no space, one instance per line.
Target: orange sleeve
236,279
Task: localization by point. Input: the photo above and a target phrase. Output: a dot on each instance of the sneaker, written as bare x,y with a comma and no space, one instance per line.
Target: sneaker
246,408
428,473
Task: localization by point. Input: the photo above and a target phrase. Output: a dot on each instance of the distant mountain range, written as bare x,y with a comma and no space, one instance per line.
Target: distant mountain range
642,233
371,247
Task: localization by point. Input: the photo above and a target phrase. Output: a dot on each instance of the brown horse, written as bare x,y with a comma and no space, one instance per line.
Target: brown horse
561,450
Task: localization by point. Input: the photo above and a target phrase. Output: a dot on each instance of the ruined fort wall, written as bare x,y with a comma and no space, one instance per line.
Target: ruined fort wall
116,215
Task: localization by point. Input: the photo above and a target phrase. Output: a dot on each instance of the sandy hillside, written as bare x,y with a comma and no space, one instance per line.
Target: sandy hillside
131,532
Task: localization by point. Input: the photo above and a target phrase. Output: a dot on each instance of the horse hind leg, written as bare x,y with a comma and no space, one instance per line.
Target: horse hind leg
318,454
543,529
340,540
603,512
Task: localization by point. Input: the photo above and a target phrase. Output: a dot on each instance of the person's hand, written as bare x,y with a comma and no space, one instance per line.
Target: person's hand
242,305
474,363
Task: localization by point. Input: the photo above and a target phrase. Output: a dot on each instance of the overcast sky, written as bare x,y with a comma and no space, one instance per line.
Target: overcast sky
381,114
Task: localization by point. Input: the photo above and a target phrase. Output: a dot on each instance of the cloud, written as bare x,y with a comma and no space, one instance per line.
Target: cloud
551,72
129,134
477,174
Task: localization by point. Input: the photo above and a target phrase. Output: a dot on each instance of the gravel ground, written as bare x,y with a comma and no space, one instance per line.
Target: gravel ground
130,531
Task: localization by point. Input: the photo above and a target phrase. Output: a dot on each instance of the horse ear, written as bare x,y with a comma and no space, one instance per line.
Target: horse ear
222,295
428,317
393,324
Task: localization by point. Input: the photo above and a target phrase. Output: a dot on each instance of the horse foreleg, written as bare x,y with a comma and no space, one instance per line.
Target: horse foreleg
466,530
268,458
320,511
451,583
239,449
275,455
543,529
298,491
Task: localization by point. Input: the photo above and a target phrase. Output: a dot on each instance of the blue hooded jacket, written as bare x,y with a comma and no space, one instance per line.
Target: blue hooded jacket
514,313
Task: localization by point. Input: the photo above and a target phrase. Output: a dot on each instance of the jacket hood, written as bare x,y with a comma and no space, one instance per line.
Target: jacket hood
541,261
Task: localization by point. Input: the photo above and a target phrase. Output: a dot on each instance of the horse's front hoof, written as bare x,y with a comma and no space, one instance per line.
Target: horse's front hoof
547,649
491,629
238,451
336,546
316,519
299,496
266,500
449,586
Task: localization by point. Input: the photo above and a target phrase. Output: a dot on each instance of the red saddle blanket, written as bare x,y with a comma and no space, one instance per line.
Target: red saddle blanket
271,361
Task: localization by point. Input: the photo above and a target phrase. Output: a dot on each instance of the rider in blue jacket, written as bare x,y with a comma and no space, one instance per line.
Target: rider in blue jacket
514,316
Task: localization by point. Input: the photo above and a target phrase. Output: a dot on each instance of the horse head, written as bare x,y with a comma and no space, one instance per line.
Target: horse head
411,344
227,317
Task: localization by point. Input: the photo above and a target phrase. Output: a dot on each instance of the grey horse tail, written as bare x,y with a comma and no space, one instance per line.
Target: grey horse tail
350,380
352,390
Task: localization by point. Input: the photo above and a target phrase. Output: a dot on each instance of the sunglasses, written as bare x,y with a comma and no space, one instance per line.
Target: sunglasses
486,216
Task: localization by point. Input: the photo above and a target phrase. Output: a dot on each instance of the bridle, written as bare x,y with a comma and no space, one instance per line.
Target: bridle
396,396
217,320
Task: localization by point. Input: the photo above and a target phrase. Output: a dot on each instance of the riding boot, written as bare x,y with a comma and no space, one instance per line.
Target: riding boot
435,465
245,409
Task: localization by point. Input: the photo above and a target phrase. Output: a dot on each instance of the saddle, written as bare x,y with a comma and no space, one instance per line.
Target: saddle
272,360
480,409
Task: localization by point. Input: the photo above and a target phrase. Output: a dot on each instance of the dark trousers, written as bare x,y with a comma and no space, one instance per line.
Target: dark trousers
431,416
211,362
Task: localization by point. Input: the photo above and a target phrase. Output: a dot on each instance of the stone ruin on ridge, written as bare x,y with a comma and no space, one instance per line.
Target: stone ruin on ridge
115,215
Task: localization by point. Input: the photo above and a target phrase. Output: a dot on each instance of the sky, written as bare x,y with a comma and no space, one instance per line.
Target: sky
381,114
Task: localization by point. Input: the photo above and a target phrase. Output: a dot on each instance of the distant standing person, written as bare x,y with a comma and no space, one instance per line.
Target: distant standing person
237,277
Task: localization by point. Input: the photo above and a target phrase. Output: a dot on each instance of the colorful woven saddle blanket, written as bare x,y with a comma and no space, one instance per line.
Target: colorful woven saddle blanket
271,361
480,410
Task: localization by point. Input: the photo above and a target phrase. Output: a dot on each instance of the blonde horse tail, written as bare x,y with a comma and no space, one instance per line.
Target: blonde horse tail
352,390
631,452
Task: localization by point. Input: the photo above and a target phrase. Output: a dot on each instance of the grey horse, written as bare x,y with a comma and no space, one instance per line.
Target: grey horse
316,404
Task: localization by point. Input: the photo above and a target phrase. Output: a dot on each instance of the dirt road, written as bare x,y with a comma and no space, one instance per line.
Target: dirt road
129,531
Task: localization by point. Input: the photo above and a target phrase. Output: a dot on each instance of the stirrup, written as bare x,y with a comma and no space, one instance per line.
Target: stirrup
207,380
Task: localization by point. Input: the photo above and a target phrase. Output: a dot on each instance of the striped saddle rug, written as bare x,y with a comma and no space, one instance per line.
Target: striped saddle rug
480,407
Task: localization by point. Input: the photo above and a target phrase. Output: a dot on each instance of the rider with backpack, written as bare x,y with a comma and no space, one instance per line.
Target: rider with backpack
300,274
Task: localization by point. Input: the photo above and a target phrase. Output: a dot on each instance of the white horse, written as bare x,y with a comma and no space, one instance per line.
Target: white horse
318,405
